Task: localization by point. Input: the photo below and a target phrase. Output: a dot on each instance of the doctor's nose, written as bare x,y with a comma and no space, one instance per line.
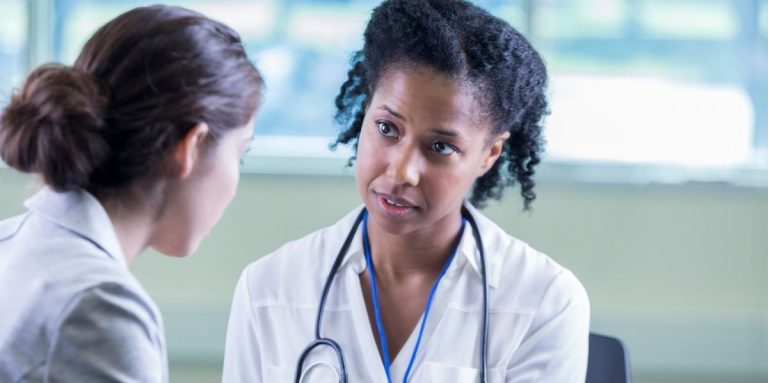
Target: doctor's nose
404,167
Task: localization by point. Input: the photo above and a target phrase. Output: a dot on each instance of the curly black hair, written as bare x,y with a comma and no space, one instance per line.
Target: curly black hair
463,41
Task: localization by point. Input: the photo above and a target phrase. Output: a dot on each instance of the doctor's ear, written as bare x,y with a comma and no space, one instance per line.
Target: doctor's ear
189,151
492,152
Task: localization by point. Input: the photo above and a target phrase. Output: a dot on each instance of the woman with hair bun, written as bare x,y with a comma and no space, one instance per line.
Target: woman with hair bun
138,145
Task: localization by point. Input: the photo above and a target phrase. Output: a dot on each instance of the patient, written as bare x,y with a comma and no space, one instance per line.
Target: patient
138,145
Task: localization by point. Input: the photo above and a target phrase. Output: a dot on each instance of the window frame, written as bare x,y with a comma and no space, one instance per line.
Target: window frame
312,160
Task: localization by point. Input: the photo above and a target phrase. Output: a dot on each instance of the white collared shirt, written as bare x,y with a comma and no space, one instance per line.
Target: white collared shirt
70,310
539,315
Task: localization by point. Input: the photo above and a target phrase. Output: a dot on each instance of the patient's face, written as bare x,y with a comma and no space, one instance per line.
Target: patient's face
194,205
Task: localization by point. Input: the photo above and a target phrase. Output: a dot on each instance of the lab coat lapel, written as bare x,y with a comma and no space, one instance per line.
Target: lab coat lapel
366,342
362,327
440,301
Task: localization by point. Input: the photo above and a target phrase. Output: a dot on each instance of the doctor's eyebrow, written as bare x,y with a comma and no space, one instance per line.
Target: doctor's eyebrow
392,112
444,132
438,131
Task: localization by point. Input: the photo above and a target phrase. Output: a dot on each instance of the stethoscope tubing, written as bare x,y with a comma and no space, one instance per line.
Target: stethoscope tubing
320,341
486,310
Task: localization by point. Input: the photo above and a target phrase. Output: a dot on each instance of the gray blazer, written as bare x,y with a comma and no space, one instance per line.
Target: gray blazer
70,310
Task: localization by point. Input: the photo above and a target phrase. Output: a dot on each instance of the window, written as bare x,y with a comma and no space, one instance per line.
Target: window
764,19
302,48
646,83
657,81
13,28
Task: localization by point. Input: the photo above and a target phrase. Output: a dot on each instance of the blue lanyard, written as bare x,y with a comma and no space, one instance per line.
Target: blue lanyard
377,308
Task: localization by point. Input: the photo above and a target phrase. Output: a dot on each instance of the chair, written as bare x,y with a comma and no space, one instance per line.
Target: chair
608,360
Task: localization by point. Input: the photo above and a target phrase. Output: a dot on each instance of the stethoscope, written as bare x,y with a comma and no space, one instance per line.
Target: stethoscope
321,341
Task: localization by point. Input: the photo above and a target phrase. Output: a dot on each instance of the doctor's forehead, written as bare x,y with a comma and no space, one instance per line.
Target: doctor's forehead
422,93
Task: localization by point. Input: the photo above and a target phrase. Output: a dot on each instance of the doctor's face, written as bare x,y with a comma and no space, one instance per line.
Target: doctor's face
423,143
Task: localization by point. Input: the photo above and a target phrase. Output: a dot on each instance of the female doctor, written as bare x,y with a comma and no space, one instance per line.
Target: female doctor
417,285
138,145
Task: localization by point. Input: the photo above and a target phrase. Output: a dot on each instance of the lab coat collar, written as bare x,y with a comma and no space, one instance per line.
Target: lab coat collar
493,238
355,256
80,212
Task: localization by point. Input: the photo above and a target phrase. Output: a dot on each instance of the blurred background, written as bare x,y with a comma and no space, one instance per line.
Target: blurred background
654,190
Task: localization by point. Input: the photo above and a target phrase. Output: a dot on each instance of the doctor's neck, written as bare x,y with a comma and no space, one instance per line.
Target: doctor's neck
421,251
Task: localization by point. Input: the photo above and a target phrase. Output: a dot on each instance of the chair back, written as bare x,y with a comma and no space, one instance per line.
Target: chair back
608,360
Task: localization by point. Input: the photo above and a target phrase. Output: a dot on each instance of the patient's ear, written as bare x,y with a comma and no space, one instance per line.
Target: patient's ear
188,152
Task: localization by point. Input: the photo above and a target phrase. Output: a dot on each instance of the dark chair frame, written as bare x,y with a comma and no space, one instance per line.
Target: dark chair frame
608,360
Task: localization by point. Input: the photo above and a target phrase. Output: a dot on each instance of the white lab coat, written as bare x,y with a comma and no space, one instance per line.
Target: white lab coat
539,321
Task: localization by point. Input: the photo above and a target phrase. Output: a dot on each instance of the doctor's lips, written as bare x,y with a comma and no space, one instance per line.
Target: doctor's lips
394,206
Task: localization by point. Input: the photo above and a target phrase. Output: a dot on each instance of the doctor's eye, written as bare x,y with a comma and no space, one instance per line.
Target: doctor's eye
386,129
442,148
